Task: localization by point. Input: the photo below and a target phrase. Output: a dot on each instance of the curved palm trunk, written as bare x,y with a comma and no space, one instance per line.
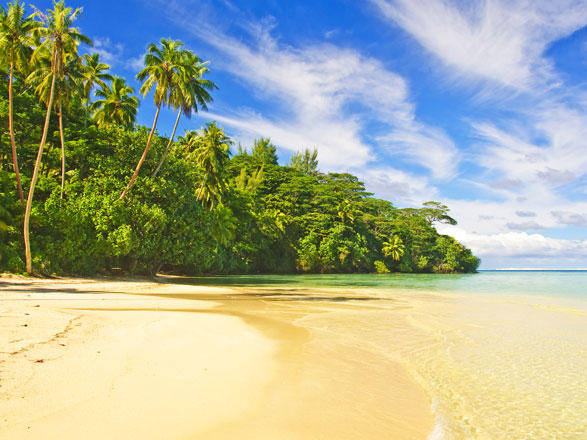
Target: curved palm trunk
12,142
168,145
142,159
62,150
29,203
199,197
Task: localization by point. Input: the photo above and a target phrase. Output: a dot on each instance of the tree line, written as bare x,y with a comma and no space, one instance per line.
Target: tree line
83,189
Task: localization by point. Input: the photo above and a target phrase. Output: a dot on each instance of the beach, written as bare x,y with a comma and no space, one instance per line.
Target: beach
138,359
306,357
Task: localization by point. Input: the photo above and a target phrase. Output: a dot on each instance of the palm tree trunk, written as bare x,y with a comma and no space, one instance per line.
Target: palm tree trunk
142,159
202,187
62,150
29,203
87,109
12,142
168,145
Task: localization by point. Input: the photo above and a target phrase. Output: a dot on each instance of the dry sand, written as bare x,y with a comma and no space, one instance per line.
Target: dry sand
95,359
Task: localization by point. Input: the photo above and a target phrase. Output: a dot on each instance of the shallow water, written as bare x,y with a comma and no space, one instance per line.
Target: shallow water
567,284
500,354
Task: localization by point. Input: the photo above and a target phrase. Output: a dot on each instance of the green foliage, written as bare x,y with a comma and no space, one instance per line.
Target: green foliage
117,107
205,211
380,267
265,152
306,161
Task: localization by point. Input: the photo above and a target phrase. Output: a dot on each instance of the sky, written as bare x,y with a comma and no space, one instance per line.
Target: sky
481,105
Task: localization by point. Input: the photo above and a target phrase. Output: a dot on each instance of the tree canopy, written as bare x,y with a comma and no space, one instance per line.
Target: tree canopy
194,208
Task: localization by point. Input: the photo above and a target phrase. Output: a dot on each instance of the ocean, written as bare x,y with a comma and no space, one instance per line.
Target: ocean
500,354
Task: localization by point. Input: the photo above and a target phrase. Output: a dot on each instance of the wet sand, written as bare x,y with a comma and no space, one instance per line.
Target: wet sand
119,359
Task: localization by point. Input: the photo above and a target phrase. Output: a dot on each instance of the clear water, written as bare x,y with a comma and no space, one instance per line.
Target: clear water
501,354
566,284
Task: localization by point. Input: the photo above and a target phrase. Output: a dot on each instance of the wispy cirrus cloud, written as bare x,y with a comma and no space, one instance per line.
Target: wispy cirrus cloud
402,188
327,96
530,154
499,40
521,155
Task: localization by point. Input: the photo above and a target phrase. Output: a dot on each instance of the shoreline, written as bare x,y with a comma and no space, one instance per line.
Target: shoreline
108,358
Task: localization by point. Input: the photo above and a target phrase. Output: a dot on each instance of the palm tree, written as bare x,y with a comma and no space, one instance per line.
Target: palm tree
65,88
394,247
190,91
117,107
211,154
58,36
15,48
94,73
346,212
162,72
189,141
225,226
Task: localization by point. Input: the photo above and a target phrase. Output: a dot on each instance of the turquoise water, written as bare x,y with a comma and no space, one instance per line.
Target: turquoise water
565,284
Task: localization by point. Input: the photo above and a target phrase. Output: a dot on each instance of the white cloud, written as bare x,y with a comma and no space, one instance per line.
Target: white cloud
346,103
499,40
517,166
517,244
114,54
337,142
426,146
398,186
135,63
327,96
110,53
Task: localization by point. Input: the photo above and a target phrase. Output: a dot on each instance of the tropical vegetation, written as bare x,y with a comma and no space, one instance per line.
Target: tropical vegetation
130,199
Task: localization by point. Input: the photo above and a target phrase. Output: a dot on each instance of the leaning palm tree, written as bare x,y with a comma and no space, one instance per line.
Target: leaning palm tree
16,42
211,154
161,72
190,91
65,88
57,35
116,108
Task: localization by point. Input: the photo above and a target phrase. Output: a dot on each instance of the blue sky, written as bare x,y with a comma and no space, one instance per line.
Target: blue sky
479,104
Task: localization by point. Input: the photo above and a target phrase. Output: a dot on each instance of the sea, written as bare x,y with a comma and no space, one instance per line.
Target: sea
500,354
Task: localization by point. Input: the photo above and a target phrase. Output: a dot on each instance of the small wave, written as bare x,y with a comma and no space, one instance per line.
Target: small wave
440,424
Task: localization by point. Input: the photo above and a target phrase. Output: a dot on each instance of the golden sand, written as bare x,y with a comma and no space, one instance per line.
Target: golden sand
101,359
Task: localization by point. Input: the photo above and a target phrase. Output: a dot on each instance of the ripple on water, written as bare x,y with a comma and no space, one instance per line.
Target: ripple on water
518,372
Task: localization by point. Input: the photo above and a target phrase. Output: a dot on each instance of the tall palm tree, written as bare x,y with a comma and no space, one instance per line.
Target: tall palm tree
65,88
94,73
117,107
212,154
162,72
57,35
16,43
190,91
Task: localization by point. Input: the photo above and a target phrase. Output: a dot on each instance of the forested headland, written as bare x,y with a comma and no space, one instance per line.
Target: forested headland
84,189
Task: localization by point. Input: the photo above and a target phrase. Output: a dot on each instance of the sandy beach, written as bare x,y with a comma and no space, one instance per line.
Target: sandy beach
137,359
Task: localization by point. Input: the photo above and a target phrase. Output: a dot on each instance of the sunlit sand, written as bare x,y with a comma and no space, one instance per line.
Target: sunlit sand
146,360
